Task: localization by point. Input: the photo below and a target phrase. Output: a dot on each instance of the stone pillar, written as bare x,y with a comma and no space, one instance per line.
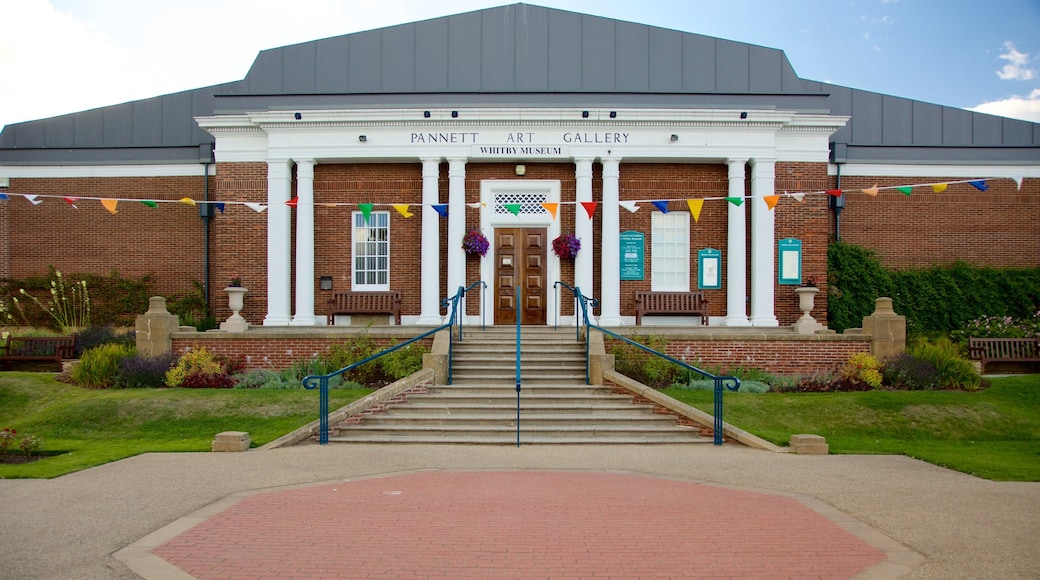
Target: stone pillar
736,250
583,262
610,240
763,244
279,243
430,268
887,330
456,224
304,315
153,328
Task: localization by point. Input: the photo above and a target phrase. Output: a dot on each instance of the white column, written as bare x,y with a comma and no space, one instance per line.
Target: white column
279,243
304,314
456,224
736,252
763,244
583,262
610,244
430,269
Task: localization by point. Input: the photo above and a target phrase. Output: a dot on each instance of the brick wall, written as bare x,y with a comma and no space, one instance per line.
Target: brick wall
269,352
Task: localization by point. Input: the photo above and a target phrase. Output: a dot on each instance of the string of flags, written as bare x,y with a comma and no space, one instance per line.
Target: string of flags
695,205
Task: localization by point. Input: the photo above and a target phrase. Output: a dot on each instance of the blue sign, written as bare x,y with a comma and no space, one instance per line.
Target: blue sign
789,261
709,269
632,256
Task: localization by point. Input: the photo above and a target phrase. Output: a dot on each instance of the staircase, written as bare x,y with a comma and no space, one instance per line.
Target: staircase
556,406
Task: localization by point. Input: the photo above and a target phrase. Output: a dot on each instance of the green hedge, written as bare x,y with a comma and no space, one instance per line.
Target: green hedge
939,299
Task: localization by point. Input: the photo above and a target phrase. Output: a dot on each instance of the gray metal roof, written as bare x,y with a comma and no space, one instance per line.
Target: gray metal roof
530,56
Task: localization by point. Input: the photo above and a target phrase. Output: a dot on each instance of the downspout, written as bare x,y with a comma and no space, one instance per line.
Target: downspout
838,157
206,213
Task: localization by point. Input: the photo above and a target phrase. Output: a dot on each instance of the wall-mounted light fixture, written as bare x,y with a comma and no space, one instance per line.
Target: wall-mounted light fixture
297,116
674,138
454,114
426,114
363,138
743,114
584,114
325,283
613,114
521,170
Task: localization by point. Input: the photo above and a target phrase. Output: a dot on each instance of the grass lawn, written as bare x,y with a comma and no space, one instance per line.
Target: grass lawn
82,428
992,433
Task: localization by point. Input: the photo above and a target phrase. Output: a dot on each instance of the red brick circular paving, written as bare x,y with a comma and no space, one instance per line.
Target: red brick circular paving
527,524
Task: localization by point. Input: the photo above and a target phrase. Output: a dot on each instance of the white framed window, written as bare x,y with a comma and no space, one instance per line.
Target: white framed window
670,251
370,262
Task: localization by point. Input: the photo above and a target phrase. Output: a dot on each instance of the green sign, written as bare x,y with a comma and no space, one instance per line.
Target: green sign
789,261
709,269
632,256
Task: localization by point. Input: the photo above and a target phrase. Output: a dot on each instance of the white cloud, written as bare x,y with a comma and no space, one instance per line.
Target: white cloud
1016,107
1017,68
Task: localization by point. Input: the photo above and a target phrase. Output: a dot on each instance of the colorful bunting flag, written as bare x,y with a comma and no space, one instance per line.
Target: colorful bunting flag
629,205
735,200
834,192
476,205
907,190
551,208
799,197
979,184
187,201
441,209
661,205
366,210
590,207
110,205
219,205
402,208
1018,181
293,202
32,199
257,207
71,201
149,203
695,208
3,196
871,190
771,200
513,208
939,187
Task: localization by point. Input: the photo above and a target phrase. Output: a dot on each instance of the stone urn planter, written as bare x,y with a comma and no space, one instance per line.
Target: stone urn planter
806,299
236,300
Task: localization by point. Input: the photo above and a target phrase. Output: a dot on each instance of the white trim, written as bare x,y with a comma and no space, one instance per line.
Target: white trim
176,170
892,170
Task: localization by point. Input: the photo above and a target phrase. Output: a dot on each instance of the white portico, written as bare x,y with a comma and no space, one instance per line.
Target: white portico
516,136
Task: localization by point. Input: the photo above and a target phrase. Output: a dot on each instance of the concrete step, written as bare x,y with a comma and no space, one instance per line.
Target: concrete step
511,439
457,421
357,432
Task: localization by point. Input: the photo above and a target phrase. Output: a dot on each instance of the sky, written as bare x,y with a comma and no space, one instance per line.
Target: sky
66,56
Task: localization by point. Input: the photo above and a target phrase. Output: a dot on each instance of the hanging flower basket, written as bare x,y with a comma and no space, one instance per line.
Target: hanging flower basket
475,243
566,246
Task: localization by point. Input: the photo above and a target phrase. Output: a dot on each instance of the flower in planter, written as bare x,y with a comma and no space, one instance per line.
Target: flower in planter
236,281
566,246
811,281
474,242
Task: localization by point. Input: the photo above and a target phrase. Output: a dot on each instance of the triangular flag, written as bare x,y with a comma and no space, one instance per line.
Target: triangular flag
3,196
551,208
871,190
441,209
735,200
1018,181
513,208
257,207
771,200
939,187
402,208
110,205
149,203
834,192
292,202
32,199
219,205
979,184
71,201
629,205
662,205
906,189
366,210
799,197
590,207
476,205
187,201
695,208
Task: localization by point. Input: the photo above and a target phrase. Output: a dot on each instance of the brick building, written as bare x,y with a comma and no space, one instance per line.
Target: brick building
359,162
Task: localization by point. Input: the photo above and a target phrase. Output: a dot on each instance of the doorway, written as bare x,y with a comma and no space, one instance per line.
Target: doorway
520,263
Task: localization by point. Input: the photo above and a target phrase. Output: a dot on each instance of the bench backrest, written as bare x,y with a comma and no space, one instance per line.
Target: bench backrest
41,346
1005,347
670,301
375,301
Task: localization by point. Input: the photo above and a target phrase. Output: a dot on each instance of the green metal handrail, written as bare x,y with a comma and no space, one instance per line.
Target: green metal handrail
720,381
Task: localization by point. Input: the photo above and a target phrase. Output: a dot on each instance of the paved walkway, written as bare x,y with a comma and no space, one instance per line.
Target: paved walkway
369,511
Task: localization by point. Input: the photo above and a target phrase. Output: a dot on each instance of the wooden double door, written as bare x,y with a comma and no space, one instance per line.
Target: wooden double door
520,255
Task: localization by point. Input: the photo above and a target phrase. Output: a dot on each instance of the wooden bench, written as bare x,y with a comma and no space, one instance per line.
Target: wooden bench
988,350
388,302
676,303
36,348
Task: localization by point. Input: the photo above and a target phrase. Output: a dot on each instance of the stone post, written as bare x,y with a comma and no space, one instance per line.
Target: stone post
887,330
154,328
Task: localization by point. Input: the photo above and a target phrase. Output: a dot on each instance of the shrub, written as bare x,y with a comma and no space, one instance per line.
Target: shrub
7,437
999,327
907,372
652,371
99,366
205,380
403,361
93,336
258,379
143,372
953,371
865,368
30,444
755,387
196,360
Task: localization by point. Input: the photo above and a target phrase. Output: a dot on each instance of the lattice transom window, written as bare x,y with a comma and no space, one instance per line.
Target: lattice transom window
530,203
